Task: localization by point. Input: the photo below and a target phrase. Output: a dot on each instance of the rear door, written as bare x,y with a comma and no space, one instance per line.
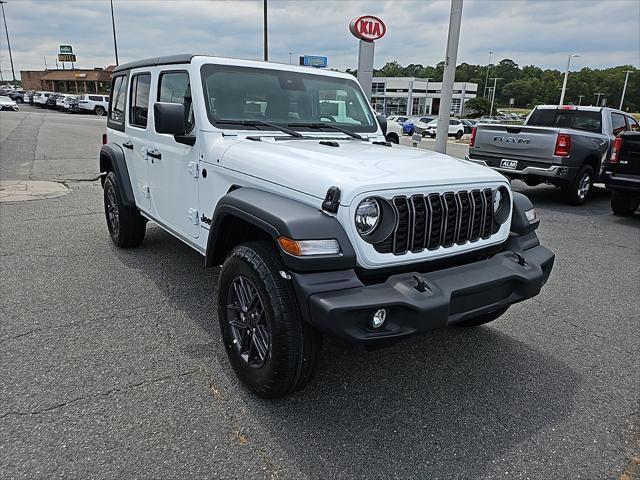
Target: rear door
173,166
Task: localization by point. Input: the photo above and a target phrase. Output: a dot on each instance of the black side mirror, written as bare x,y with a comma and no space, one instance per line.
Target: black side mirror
382,120
169,118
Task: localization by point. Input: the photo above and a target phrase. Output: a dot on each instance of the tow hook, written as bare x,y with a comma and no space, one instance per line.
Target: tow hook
519,258
421,285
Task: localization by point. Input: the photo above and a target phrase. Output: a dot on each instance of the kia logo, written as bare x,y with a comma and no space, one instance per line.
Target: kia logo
368,28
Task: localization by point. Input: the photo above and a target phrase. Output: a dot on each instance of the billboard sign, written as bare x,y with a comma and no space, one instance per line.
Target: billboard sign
66,49
65,57
313,61
368,28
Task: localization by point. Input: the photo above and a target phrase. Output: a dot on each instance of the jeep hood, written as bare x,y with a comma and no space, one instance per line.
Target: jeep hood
353,166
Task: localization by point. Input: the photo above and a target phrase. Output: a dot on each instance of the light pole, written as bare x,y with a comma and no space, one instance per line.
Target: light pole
580,99
113,24
566,75
486,80
442,130
493,95
266,45
624,89
290,53
13,72
598,100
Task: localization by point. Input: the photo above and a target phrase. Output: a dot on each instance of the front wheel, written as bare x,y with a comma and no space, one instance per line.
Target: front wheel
459,135
577,191
392,138
100,111
272,350
624,204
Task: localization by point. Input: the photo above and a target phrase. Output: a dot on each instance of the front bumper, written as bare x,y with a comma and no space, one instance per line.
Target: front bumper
339,304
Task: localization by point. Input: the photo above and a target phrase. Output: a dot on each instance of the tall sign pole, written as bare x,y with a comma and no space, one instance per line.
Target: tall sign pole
624,89
368,29
2,2
113,24
266,37
442,130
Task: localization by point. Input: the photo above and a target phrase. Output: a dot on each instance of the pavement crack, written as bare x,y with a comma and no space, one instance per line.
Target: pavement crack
106,393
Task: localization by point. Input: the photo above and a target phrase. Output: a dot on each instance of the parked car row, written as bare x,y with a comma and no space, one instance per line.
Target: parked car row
85,103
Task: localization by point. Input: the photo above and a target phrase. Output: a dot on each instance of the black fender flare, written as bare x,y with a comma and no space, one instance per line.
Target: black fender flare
277,216
519,223
114,155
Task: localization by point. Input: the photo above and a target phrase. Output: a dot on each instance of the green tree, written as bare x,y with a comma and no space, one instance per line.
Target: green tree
477,107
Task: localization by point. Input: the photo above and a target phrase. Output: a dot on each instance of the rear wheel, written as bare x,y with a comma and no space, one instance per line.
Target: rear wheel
624,204
126,225
482,319
459,134
392,138
100,111
271,349
577,191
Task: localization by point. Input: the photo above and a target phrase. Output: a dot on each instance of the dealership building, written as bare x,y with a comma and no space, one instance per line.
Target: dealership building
416,96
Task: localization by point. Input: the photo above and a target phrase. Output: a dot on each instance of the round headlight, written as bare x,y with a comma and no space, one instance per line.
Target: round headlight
367,216
497,201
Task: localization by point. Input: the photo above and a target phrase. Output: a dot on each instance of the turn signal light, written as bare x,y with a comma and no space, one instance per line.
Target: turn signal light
563,145
472,142
302,248
617,144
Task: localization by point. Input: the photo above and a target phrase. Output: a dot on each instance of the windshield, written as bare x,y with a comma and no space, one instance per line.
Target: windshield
283,97
589,121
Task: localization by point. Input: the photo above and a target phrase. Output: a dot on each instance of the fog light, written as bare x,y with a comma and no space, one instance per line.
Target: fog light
531,215
378,318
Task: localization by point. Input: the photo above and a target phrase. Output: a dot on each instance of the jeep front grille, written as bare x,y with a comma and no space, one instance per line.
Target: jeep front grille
439,220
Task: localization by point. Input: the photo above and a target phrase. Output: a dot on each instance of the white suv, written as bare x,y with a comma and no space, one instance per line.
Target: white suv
456,128
40,98
97,104
319,225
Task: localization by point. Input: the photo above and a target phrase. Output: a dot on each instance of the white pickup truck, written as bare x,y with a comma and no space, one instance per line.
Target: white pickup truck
320,226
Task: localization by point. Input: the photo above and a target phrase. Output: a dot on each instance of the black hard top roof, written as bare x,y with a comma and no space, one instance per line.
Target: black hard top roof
152,62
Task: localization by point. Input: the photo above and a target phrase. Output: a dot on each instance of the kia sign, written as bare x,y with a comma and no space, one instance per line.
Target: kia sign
368,28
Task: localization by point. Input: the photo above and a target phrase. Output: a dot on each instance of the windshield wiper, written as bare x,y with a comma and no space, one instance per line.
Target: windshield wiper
259,123
328,125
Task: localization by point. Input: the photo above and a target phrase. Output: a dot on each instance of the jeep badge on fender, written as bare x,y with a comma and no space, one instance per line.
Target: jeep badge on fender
281,176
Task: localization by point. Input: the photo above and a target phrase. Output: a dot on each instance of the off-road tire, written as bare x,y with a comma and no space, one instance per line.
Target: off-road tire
128,229
294,346
573,191
482,319
392,138
100,111
624,204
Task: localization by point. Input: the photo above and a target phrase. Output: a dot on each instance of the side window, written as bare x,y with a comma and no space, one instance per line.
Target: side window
139,104
633,124
95,98
618,123
174,87
118,102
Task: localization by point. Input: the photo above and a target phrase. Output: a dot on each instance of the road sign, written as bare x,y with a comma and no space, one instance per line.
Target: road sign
313,61
68,49
64,57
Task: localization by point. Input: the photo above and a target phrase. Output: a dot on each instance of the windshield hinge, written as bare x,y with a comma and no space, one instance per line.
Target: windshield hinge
331,200
192,167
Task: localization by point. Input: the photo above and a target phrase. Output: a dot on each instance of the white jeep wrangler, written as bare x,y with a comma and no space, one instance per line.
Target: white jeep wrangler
282,175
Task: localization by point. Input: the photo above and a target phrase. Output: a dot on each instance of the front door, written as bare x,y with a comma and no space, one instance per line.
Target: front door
173,167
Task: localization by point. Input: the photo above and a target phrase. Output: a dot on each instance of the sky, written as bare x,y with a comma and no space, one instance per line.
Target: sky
538,32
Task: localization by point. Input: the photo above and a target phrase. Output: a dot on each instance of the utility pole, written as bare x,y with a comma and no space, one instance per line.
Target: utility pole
486,80
113,24
566,74
580,99
442,130
290,57
266,43
624,89
598,100
426,97
493,95
13,72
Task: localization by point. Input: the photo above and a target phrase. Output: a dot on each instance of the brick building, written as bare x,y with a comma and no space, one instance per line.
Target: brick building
96,80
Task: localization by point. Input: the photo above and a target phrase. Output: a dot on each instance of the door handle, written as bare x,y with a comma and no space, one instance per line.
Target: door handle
128,145
154,153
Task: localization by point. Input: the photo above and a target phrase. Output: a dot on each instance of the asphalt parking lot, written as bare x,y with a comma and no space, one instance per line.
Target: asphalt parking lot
111,363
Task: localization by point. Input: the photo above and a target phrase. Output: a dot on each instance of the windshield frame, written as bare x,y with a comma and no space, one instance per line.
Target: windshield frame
208,69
